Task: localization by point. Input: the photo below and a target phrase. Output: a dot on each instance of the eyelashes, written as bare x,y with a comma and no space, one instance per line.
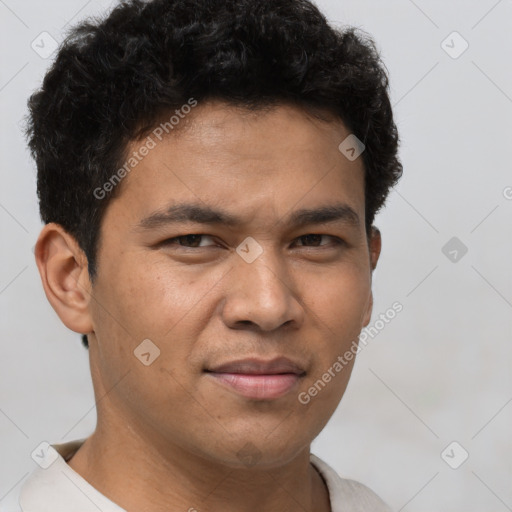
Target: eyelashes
195,239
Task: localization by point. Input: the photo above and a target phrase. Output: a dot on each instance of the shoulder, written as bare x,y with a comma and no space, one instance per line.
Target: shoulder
53,486
348,495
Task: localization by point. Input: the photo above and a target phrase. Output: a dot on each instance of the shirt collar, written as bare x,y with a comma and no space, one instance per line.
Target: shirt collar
55,487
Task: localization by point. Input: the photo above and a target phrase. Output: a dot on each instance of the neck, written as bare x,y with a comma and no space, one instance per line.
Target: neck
140,476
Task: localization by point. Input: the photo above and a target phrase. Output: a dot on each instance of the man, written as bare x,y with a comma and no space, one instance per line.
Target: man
208,176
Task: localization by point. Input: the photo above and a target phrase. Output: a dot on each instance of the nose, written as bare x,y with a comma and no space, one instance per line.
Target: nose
262,295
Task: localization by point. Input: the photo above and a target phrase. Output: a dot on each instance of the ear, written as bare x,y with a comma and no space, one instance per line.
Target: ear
63,269
374,246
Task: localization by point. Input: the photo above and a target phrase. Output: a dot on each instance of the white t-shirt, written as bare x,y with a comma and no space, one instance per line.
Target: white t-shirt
55,487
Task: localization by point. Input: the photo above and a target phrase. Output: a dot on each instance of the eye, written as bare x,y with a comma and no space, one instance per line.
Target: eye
191,240
195,241
315,239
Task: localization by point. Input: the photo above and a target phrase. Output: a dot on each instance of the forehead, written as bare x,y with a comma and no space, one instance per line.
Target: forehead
220,154
217,127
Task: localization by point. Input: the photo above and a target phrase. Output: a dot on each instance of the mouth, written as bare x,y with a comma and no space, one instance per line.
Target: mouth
258,379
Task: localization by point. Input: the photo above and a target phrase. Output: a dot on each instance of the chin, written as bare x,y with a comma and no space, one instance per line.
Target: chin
258,452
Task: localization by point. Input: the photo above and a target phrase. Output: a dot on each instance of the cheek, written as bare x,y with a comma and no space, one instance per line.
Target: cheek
151,297
155,303
339,308
340,300
162,303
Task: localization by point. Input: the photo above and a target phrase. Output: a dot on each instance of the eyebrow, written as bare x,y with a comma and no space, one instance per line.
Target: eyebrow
201,214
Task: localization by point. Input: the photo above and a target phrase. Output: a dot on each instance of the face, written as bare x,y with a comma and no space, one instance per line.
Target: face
237,246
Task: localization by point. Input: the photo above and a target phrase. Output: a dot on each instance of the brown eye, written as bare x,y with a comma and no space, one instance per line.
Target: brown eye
315,239
191,240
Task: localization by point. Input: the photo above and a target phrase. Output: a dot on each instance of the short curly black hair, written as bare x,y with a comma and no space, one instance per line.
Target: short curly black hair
114,78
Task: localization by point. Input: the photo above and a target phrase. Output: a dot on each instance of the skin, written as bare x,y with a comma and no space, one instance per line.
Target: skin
168,434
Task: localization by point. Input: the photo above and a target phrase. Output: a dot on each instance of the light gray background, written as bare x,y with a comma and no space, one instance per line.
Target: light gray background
439,372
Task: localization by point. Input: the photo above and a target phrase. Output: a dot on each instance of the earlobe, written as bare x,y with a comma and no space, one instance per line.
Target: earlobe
63,269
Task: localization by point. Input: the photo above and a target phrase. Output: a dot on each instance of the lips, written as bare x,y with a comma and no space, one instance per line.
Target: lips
259,367
258,379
